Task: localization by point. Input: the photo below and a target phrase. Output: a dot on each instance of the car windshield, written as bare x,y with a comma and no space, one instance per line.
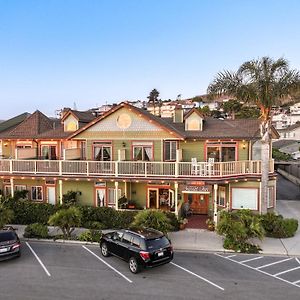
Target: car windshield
7,236
157,243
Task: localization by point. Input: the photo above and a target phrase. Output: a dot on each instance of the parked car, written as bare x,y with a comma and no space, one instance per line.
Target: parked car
10,245
141,248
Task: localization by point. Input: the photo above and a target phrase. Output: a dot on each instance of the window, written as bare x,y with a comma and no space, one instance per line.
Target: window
221,151
37,193
271,197
83,150
111,196
48,152
20,187
102,151
142,151
170,150
126,238
245,198
221,196
136,242
7,190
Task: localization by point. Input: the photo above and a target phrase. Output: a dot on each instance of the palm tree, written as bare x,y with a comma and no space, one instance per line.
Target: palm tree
264,82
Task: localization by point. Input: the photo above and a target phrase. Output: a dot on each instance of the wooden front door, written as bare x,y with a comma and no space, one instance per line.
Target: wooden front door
198,203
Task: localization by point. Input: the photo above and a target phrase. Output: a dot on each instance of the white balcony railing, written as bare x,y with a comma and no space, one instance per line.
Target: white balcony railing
134,169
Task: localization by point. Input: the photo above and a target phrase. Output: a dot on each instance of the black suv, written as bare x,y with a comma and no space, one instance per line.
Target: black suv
9,244
142,248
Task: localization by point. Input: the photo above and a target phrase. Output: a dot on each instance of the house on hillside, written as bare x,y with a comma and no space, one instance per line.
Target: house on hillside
152,162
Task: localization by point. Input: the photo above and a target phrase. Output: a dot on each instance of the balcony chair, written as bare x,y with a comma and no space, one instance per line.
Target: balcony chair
195,168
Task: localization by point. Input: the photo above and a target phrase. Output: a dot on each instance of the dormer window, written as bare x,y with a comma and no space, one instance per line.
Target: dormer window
193,121
193,125
71,126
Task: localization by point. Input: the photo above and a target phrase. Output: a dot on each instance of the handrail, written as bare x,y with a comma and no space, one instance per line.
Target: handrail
135,169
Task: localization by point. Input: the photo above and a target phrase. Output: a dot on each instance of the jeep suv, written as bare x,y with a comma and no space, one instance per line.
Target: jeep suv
142,248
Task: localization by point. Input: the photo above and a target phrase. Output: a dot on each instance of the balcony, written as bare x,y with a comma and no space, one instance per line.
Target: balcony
131,169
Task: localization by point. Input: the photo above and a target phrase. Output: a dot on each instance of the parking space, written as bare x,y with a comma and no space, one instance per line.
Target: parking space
286,269
76,271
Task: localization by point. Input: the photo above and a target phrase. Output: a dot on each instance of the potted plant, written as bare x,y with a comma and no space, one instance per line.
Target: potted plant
131,204
182,223
210,224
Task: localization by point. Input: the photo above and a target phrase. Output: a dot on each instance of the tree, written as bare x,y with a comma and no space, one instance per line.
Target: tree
66,220
153,99
231,107
264,82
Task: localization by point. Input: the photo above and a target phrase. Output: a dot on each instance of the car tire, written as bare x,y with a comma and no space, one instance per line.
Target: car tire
104,250
133,265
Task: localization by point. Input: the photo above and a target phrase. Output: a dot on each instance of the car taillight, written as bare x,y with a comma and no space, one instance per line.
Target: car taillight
15,246
145,255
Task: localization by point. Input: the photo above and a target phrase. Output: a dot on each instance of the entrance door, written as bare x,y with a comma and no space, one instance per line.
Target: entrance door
198,203
153,198
100,197
51,195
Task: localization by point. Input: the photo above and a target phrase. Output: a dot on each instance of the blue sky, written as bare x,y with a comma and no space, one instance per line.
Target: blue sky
56,53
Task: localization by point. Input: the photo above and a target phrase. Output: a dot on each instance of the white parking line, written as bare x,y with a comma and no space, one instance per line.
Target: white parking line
255,269
38,259
107,264
296,282
255,258
297,260
290,270
274,263
192,273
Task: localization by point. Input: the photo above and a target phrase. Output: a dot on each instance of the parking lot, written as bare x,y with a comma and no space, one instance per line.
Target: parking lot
76,271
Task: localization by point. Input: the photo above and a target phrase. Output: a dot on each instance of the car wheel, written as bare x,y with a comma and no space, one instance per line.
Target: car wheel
104,250
133,265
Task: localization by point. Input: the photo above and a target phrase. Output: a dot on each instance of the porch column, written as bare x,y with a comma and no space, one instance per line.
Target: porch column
60,184
176,198
125,190
12,192
116,194
215,204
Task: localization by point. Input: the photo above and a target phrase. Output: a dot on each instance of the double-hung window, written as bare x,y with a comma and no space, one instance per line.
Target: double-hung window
170,148
112,196
142,151
102,151
37,193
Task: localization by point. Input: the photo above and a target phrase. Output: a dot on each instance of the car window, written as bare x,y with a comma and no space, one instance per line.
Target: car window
127,238
157,243
117,236
7,236
136,242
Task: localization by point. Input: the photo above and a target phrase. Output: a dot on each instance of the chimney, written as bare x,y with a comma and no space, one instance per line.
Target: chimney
178,114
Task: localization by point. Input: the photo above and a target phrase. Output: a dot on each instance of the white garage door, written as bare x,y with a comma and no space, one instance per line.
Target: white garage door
243,198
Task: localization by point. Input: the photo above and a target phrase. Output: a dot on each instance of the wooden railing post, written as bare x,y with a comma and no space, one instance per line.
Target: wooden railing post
60,167
11,166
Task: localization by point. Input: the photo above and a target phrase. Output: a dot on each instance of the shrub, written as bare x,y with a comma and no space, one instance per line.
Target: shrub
238,227
107,216
70,198
152,218
6,215
66,220
174,221
36,230
90,235
278,227
28,212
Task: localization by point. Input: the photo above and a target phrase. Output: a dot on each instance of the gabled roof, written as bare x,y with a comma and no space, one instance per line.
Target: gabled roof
212,128
13,122
159,121
81,116
193,110
31,127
